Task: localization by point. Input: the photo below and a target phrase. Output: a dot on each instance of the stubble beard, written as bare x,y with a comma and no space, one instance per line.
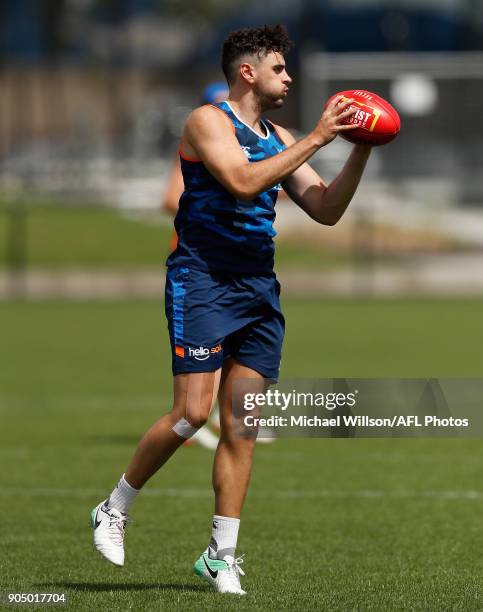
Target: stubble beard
267,102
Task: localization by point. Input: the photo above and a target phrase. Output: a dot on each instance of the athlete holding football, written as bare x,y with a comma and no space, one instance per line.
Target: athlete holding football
222,297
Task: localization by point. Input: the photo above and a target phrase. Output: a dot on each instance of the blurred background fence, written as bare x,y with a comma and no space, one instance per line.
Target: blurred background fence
94,94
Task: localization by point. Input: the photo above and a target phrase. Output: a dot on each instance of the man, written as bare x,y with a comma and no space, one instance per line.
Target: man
222,303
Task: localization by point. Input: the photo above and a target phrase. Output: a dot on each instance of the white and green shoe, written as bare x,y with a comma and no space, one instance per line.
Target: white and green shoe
223,574
108,525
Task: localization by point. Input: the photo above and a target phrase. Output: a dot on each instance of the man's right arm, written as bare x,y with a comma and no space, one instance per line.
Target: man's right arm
214,143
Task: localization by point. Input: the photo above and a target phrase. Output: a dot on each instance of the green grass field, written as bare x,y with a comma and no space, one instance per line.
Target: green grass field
97,237
328,524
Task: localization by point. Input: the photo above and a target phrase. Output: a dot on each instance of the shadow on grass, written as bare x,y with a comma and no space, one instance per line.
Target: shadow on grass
126,586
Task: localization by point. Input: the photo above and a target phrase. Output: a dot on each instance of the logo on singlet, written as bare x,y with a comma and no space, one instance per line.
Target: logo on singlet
246,150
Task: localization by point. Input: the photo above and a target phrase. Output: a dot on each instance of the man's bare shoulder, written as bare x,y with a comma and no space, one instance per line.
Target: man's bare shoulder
206,117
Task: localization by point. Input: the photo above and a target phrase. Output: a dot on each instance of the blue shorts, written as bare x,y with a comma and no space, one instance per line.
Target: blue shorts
214,316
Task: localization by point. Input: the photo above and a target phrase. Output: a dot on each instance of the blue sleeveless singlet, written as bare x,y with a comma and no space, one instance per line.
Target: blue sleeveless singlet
218,232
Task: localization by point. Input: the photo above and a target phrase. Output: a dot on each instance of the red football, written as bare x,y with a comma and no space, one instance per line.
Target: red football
378,121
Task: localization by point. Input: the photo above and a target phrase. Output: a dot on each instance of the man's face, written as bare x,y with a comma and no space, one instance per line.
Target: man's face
271,81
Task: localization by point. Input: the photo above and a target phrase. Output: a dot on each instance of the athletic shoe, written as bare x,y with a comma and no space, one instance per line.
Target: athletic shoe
223,574
109,525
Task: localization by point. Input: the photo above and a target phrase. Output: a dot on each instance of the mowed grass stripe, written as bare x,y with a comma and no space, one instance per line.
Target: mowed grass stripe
274,494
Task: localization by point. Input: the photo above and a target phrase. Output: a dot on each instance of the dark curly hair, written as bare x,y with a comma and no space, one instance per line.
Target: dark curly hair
253,41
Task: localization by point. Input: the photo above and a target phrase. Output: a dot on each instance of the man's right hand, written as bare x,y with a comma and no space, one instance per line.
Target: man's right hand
331,122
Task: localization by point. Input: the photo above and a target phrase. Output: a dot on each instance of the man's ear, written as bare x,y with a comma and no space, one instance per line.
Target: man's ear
247,72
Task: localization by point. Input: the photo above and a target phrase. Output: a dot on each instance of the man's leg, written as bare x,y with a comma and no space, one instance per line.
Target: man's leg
233,458
194,395
231,475
193,399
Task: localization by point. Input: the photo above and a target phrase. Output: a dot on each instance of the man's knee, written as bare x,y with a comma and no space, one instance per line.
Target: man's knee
188,419
184,429
197,417
238,438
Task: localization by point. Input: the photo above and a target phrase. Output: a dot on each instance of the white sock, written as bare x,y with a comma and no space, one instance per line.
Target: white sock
122,497
223,537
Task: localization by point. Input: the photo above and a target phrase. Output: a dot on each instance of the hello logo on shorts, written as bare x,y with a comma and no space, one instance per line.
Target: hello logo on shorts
200,353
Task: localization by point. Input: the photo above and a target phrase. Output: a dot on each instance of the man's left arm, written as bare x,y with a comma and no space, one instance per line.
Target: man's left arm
325,203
